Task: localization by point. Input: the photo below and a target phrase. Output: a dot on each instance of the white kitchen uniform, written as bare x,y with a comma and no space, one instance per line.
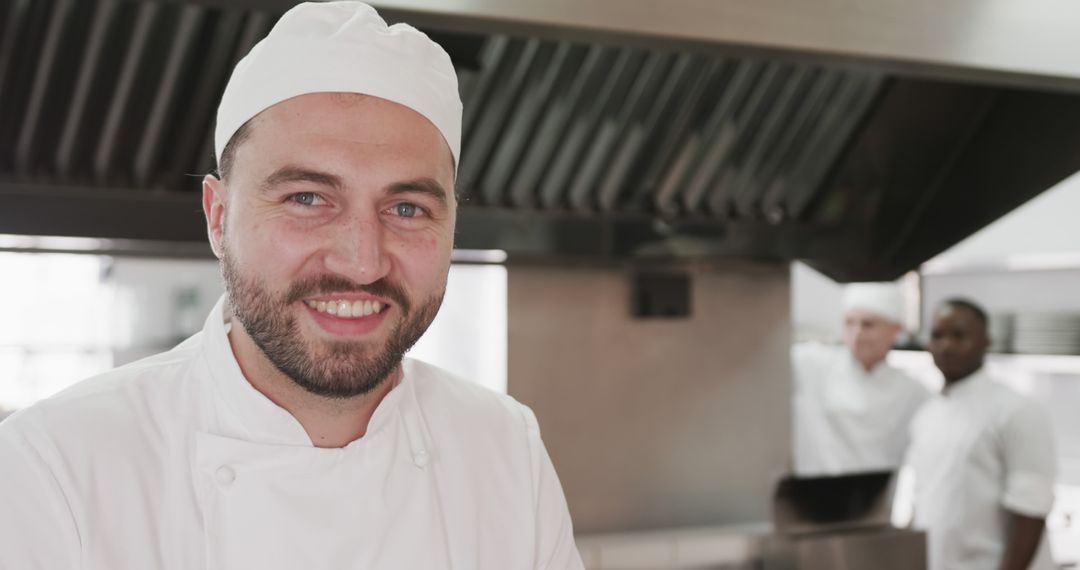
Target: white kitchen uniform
848,420
977,452
177,462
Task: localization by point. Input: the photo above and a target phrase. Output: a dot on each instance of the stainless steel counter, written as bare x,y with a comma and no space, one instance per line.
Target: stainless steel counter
820,523
754,547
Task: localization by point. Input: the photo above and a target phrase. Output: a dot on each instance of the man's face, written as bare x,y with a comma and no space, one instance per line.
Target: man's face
334,228
869,336
958,342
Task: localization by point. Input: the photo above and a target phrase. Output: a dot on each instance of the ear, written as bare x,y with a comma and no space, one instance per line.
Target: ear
213,203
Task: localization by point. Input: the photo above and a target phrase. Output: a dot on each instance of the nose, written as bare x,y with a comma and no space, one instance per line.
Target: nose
356,249
943,345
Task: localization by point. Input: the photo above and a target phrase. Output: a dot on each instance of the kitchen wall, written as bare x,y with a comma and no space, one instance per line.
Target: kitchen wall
817,303
1005,290
1046,225
656,423
1028,261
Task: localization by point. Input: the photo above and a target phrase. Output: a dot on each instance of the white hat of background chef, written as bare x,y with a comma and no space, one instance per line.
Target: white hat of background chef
342,47
882,299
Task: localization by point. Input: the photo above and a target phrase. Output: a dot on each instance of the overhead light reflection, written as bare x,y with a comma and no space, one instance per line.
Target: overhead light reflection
478,256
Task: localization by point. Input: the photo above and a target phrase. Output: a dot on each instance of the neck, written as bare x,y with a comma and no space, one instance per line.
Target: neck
952,380
329,422
869,365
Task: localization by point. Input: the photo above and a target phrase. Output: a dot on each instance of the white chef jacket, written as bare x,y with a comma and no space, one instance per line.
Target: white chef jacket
848,420
979,451
177,462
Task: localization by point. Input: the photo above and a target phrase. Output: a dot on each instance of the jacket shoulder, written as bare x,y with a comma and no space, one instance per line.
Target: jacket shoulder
1010,403
114,406
441,392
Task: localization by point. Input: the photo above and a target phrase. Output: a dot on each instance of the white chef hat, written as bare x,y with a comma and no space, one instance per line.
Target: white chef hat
882,299
319,47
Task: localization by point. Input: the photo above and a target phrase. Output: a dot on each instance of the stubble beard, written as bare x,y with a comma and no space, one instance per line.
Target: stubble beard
331,369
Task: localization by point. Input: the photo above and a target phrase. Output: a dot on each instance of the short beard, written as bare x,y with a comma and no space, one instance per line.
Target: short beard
338,369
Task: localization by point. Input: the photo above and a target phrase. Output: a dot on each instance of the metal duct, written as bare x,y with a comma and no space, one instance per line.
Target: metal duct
572,149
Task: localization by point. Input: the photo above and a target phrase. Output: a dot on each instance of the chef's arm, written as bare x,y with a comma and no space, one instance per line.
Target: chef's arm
1027,441
1021,541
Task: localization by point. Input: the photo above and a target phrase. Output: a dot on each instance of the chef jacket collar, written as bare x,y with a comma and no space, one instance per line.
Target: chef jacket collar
858,369
257,417
967,385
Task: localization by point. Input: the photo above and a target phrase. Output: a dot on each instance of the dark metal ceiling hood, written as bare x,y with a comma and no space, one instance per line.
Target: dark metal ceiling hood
863,141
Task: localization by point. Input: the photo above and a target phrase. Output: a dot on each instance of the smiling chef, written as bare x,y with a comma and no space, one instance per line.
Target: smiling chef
290,432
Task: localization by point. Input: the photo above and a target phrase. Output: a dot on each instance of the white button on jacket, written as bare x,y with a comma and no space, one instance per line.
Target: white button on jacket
225,475
176,462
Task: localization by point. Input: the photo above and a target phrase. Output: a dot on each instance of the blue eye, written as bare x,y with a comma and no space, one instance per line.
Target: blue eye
304,198
406,210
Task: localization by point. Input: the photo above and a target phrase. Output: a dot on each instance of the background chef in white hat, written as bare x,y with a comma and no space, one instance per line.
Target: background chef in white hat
852,409
290,432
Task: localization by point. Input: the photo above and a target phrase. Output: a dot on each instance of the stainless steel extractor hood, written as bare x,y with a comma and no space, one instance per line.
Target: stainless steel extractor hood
862,139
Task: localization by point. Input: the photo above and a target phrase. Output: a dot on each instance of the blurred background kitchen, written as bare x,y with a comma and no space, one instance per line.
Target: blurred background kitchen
657,201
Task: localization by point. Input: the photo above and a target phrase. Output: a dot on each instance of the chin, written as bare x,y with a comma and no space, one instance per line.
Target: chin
869,356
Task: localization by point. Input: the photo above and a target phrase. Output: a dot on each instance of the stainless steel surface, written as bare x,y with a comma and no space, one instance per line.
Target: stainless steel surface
596,131
987,38
825,504
883,549
842,523
753,547
660,422
741,547
1030,43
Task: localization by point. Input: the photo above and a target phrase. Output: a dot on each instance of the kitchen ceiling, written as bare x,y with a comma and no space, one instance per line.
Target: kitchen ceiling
627,149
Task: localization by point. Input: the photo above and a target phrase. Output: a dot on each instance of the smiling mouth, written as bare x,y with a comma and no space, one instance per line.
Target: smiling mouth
347,309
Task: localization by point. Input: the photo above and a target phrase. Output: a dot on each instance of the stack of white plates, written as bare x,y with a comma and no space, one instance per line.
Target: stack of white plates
1047,333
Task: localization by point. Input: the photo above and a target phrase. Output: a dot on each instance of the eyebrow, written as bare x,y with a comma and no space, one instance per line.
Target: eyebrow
287,174
426,186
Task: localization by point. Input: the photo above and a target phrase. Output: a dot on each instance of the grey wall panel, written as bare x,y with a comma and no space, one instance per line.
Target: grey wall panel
656,423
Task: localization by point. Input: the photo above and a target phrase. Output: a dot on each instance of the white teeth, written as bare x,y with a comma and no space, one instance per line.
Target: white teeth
347,309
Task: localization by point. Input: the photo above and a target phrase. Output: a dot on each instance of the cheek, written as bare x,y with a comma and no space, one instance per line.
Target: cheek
862,336
850,339
268,247
966,349
880,338
423,261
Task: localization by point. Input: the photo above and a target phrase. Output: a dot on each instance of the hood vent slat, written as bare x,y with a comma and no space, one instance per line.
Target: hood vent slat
576,139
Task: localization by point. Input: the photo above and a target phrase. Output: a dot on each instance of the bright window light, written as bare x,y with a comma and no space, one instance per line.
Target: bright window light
71,316
54,328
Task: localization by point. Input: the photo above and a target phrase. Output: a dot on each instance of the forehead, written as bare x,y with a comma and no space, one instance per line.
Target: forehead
349,129
956,317
864,316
